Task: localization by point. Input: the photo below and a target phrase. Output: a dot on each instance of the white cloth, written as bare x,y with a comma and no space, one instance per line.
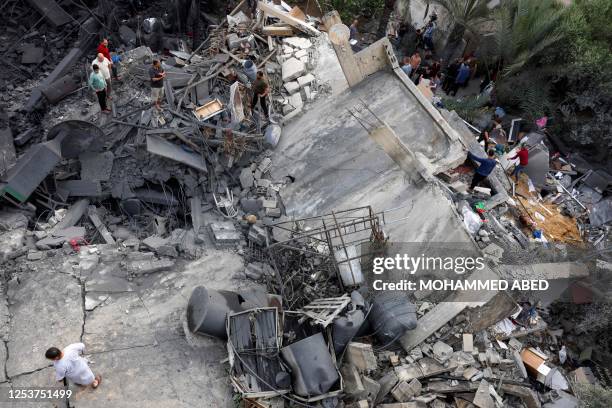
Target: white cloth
104,67
72,366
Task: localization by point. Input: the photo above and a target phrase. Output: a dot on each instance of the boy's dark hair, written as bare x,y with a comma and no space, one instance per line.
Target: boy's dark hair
155,62
53,353
491,152
260,74
95,67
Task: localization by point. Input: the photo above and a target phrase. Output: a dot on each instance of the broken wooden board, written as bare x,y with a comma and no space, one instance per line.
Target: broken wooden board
278,31
208,110
287,18
297,13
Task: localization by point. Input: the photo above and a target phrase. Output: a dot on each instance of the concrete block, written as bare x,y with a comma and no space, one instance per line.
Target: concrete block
246,178
387,383
225,233
269,203
362,356
305,80
483,190
372,388
292,87
298,42
295,104
292,69
154,242
458,187
31,169
352,381
301,53
442,351
468,342
32,55
404,391
81,188
307,94
273,212
304,60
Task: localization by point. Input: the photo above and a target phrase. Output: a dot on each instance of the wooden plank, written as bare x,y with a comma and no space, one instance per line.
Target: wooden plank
278,31
297,13
286,18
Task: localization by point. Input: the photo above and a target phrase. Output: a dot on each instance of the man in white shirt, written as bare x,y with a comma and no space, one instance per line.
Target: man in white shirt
69,364
105,69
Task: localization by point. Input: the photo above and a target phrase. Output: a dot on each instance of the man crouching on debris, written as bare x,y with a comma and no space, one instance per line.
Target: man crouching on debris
69,364
260,91
487,164
98,84
157,75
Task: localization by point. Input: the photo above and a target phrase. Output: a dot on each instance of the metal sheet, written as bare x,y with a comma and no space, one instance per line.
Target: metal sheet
311,376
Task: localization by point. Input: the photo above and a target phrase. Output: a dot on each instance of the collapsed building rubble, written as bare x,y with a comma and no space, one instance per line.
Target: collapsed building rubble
147,191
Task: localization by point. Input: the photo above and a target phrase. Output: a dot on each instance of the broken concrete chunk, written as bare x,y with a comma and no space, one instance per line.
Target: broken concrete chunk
305,80
442,351
292,87
404,391
146,266
468,342
298,42
362,356
292,68
295,104
246,178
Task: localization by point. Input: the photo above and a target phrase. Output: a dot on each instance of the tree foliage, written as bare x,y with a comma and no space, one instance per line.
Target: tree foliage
465,15
351,9
524,30
585,76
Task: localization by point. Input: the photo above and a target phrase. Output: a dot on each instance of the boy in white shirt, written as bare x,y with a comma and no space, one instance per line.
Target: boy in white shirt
69,363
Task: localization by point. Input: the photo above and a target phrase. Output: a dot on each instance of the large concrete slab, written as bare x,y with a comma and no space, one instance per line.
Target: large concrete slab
52,12
336,164
46,310
31,169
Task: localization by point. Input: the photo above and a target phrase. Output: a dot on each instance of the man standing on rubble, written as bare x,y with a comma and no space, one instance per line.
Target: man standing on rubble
98,84
260,92
523,155
157,75
69,364
103,49
487,164
104,64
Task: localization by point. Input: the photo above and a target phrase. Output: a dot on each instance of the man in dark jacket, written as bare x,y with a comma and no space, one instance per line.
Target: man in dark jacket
487,164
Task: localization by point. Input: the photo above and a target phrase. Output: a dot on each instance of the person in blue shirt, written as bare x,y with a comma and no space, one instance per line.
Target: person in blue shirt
98,84
487,164
462,77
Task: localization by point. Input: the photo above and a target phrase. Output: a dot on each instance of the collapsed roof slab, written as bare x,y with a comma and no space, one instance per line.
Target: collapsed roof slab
52,11
31,169
337,165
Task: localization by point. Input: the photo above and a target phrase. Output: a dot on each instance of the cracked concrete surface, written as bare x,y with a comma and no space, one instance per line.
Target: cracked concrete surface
134,334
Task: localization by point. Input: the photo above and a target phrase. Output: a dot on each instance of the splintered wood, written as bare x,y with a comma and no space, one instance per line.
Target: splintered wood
547,217
324,311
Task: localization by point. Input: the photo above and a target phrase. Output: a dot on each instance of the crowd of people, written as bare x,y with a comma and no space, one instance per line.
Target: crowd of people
104,72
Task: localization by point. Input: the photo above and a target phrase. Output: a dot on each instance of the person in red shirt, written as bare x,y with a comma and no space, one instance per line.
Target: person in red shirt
103,49
523,155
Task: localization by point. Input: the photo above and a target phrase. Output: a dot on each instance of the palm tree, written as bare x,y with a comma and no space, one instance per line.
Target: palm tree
523,30
465,15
